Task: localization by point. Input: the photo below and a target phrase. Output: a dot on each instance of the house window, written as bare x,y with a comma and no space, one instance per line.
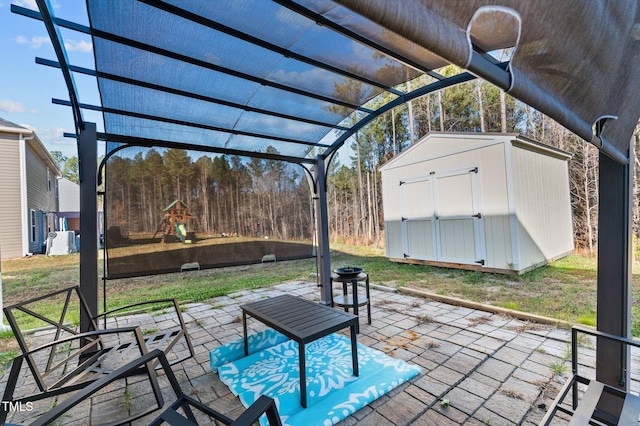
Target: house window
33,225
48,179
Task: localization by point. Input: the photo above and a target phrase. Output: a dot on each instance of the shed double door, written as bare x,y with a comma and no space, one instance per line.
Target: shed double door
441,217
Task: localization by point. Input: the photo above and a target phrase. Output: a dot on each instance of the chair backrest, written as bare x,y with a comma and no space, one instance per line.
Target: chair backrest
55,316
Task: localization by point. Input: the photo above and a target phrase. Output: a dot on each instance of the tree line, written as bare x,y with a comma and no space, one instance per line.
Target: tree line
226,195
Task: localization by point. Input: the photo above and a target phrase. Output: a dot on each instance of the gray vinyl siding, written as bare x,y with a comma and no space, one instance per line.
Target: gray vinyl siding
68,196
39,197
10,213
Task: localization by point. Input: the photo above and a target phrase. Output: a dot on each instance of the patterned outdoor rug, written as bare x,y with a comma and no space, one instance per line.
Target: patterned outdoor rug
333,393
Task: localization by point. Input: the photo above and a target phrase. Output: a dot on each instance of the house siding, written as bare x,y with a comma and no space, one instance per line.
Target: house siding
39,197
10,207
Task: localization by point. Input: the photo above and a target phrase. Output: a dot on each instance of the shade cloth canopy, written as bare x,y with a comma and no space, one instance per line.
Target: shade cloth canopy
293,79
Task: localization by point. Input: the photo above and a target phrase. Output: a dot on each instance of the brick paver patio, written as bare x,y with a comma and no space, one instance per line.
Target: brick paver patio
479,368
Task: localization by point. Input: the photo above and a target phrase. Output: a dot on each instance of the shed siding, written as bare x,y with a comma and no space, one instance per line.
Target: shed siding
520,188
498,242
391,196
40,197
393,235
543,207
494,205
10,212
420,239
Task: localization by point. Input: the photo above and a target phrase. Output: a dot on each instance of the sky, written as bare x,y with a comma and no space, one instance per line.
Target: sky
26,88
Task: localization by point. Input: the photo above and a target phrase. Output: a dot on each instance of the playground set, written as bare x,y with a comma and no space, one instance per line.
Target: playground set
175,224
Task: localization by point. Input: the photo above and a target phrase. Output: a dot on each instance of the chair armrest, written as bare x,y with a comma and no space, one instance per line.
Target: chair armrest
577,329
264,405
169,301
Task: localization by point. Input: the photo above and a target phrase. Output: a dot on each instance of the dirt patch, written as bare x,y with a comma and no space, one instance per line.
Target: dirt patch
9,344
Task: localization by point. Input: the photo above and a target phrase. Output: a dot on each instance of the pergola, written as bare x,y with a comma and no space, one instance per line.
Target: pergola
293,80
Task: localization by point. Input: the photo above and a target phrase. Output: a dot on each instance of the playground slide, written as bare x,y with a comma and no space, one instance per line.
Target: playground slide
181,231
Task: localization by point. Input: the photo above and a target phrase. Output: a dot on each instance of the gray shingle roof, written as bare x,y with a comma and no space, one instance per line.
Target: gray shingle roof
6,123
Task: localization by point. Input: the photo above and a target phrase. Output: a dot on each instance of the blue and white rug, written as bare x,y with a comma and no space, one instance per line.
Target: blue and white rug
333,393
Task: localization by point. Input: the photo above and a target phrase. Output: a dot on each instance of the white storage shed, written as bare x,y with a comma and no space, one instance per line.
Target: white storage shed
495,202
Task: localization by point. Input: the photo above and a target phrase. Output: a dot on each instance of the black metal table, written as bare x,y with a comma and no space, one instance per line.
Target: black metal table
302,321
352,300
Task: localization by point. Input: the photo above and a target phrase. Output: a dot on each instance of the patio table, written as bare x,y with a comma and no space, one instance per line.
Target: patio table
302,321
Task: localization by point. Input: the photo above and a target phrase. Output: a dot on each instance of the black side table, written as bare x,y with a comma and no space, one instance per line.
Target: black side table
351,300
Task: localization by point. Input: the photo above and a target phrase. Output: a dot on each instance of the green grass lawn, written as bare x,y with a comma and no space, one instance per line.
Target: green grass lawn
565,289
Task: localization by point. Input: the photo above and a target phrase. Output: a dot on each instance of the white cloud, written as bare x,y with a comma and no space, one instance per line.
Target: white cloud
70,45
29,4
78,46
7,105
53,139
37,42
33,42
53,136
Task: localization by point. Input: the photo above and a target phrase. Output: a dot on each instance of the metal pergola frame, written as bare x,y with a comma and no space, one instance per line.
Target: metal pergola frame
616,172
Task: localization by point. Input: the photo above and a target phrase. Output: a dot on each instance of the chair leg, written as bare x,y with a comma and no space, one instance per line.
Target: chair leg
10,387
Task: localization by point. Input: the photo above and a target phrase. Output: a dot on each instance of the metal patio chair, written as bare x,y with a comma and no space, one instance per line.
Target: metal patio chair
55,372
180,412
585,411
71,360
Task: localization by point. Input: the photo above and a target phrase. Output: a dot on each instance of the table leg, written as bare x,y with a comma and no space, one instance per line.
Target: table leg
244,329
345,293
331,290
303,375
354,351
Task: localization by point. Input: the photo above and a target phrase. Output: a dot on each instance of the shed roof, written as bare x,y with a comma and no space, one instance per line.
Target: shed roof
476,138
293,79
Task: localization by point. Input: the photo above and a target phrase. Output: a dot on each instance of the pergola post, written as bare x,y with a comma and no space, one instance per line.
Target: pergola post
88,172
322,229
614,270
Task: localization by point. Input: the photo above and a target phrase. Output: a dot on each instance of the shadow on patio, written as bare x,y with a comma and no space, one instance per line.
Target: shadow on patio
478,367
